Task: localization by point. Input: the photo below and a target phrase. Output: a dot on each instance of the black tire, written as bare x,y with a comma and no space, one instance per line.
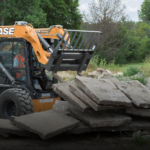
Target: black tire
15,102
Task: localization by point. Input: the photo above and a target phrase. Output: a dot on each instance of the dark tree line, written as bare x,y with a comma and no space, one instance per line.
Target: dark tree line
41,13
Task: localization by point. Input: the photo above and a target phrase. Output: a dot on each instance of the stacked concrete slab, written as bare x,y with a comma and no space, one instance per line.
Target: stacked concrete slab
102,91
104,97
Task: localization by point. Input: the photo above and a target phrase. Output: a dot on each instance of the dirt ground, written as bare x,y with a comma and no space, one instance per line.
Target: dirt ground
87,141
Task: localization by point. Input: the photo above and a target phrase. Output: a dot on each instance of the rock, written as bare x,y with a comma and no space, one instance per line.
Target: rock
102,91
120,74
100,76
101,119
93,75
62,89
137,134
61,107
100,70
107,73
46,124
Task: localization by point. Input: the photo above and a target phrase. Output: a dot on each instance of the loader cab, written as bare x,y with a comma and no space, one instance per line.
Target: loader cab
14,58
29,71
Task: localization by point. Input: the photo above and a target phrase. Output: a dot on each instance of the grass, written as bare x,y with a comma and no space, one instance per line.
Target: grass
93,65
142,79
132,70
144,67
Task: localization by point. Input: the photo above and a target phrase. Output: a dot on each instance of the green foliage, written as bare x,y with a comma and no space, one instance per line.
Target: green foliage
42,13
133,73
144,12
24,10
132,70
134,46
143,79
64,12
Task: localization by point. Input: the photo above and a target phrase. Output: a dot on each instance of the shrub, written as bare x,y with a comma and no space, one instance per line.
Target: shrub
143,79
131,71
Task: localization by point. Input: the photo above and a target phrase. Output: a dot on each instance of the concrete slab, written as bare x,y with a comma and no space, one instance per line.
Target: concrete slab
102,91
101,119
138,112
135,125
114,80
46,124
137,92
148,84
6,126
85,98
63,91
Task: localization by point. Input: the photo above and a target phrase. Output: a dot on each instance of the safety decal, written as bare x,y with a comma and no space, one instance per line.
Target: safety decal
46,100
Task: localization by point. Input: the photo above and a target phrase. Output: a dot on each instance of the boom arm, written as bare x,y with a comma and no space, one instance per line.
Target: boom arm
53,32
27,32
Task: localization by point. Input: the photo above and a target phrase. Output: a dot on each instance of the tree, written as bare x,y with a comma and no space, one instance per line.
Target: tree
22,10
41,13
107,16
64,12
144,13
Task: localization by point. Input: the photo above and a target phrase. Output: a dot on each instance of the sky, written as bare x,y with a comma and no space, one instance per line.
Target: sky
132,6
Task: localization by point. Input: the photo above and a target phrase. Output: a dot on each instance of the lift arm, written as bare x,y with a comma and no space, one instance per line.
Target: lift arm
26,31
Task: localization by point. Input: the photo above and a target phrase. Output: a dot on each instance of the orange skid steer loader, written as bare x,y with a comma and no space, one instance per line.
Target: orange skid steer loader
28,59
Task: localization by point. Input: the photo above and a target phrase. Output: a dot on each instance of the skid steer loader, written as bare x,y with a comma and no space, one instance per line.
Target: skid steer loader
26,83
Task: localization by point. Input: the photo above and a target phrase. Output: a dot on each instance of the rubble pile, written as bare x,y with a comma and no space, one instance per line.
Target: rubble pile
90,104
100,73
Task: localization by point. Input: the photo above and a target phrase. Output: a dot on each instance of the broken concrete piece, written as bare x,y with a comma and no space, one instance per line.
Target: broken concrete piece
85,98
93,74
6,126
100,70
61,106
107,73
138,93
101,119
102,91
138,112
63,91
46,124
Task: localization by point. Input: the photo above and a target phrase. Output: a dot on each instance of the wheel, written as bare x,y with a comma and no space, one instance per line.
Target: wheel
15,102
